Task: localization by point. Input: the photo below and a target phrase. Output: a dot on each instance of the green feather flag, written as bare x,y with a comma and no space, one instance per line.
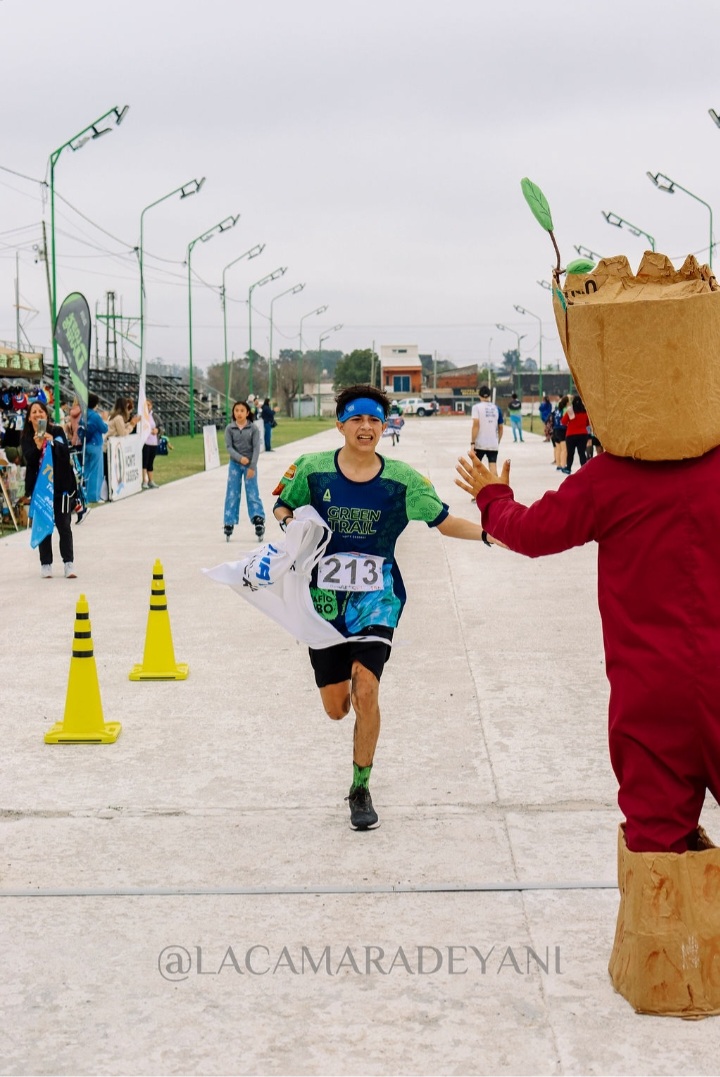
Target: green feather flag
538,204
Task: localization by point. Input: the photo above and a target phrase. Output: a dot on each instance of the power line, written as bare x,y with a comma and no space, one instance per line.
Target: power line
4,168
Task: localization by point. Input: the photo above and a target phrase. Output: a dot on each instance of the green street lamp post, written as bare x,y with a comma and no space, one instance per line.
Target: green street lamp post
522,310
312,313
288,291
93,130
519,336
323,337
612,218
258,284
252,253
223,226
669,186
192,187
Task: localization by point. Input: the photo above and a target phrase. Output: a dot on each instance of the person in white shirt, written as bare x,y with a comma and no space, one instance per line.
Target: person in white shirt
487,429
149,450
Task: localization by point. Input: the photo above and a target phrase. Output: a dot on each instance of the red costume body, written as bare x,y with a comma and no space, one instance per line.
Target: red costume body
657,526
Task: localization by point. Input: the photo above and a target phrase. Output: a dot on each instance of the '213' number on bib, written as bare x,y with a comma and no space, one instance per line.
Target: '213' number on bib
351,572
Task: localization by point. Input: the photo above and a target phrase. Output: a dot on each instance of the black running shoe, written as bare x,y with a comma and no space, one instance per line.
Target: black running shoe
259,527
362,814
228,529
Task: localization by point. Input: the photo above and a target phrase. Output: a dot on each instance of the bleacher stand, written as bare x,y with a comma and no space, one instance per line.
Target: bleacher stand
169,394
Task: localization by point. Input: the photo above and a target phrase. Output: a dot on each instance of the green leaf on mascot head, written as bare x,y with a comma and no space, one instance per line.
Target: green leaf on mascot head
538,204
580,265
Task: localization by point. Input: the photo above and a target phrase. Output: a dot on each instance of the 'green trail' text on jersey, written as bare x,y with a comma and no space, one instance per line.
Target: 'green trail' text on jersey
365,518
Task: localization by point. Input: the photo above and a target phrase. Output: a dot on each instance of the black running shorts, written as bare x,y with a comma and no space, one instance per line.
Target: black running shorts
492,454
333,665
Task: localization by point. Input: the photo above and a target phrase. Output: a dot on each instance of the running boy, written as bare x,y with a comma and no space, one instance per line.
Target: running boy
367,502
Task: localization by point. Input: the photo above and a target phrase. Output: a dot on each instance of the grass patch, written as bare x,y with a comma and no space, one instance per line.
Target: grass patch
187,455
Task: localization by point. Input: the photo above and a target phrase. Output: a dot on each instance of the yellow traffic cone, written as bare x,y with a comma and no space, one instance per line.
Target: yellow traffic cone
158,662
83,719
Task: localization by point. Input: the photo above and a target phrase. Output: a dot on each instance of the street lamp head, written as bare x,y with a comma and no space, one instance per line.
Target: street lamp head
78,143
320,310
498,325
330,332
545,284
228,223
120,114
662,182
296,289
612,218
99,133
191,188
585,252
223,226
256,250
274,275
714,117
520,310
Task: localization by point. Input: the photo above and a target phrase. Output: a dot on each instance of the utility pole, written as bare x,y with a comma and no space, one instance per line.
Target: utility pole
17,300
42,257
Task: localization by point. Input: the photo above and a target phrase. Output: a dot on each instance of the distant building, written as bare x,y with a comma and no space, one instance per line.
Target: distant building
462,377
401,370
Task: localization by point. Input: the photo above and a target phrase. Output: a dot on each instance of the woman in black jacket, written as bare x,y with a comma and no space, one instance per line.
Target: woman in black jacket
267,415
52,440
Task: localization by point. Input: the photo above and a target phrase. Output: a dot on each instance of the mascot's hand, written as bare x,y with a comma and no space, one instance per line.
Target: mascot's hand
474,476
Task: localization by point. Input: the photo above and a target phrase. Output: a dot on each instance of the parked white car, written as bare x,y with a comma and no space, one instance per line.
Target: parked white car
415,405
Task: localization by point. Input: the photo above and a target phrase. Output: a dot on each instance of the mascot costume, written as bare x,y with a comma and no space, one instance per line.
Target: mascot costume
644,351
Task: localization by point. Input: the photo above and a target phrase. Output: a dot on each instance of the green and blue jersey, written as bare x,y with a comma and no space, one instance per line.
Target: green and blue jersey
365,518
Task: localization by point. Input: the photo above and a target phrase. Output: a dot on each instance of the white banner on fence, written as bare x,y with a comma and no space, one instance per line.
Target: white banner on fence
212,452
124,466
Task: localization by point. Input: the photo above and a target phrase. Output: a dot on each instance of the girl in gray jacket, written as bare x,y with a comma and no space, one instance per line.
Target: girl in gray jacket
242,440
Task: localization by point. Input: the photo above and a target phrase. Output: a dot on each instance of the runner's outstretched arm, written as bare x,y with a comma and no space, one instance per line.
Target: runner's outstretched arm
455,527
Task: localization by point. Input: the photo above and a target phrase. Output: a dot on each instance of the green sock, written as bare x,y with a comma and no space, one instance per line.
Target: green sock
361,776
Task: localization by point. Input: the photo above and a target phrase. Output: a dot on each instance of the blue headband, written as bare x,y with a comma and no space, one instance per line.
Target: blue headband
362,405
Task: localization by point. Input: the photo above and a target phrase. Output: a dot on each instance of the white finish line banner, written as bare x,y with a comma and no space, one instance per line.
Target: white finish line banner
212,452
124,466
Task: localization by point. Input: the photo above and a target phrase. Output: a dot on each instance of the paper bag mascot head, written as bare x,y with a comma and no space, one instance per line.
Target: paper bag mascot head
643,349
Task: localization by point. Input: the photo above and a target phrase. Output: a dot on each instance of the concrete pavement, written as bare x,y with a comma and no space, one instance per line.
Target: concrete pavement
191,899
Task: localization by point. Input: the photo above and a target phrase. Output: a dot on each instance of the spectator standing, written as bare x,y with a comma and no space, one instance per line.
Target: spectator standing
242,439
121,420
149,449
487,428
95,431
267,415
515,409
546,409
72,423
54,440
559,433
575,420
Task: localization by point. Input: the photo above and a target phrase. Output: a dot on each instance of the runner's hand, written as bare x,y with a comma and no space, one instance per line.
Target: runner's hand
474,476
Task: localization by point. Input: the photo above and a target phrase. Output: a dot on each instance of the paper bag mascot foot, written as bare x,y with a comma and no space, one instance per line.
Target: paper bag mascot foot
643,350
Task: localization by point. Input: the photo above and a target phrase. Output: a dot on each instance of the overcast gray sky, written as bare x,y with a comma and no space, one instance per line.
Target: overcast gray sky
376,148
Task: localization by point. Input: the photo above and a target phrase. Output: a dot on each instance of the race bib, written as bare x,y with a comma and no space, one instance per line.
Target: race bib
350,572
